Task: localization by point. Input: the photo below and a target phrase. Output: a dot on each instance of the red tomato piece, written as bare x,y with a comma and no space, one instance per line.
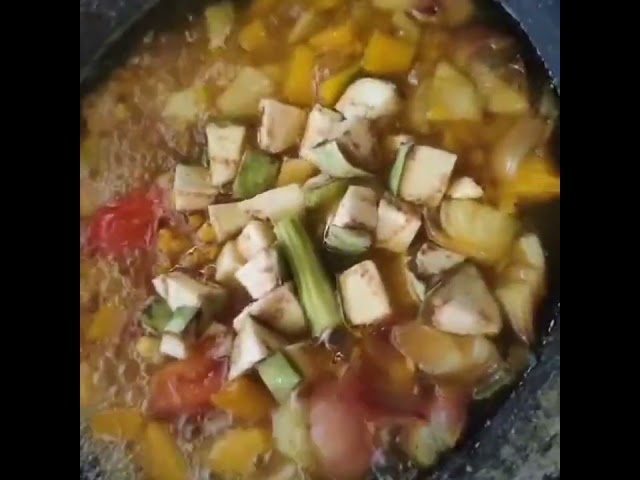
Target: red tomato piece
185,386
339,432
127,224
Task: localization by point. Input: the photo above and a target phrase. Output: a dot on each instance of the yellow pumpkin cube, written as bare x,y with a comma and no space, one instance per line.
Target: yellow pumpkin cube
236,452
386,55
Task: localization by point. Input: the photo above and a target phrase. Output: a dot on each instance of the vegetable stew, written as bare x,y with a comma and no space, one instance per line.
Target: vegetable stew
306,240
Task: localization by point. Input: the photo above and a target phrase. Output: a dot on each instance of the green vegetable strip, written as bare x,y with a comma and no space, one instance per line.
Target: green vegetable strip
314,288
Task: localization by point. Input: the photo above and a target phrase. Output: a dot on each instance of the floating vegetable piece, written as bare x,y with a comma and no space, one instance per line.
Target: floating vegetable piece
281,126
464,305
258,173
252,344
279,376
254,238
452,96
156,315
261,274
323,189
323,124
118,424
161,456
331,88
511,150
236,452
192,188
386,55
370,98
342,38
433,260
351,229
330,158
180,290
521,285
243,95
173,346
185,105
314,289
474,230
296,170
421,174
446,355
290,423
278,309
397,225
245,399
228,263
465,188
219,19
346,241
362,281
499,97
107,323
306,25
276,203
180,319
224,148
227,219
299,80
253,36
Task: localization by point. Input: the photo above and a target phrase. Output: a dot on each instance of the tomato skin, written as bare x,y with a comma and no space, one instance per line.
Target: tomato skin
184,387
127,224
339,432
448,410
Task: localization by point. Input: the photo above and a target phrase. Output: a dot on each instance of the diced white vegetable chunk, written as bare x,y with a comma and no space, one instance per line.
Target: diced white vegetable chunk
321,126
281,125
465,306
180,290
426,175
261,274
370,98
279,309
432,260
173,346
228,263
227,219
357,209
253,344
363,295
465,188
276,203
192,188
254,238
353,134
224,147
357,136
331,159
398,224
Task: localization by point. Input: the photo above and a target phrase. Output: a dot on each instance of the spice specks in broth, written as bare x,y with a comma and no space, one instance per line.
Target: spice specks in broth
238,327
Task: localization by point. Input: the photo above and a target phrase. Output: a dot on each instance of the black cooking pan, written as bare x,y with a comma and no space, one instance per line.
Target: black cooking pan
517,437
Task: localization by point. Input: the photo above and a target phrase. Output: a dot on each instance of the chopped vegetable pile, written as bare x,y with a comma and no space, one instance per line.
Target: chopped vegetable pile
304,246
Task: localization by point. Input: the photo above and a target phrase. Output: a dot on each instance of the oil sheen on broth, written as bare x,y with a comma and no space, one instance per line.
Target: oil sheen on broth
304,242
